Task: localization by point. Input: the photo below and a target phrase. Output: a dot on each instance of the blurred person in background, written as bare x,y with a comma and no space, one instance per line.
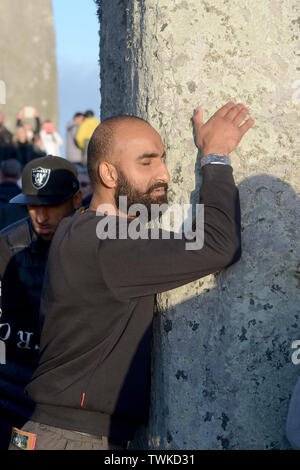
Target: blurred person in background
73,152
51,139
38,145
22,149
5,139
29,112
85,132
10,173
5,134
85,187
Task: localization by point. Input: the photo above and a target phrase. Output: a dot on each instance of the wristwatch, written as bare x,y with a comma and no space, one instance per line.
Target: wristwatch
215,158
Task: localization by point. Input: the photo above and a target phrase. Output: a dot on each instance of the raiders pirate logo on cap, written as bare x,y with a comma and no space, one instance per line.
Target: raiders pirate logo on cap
47,181
40,177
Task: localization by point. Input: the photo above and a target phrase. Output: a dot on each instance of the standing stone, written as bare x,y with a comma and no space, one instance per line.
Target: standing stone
222,356
28,58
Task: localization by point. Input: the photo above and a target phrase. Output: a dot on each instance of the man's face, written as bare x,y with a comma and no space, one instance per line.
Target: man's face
142,173
1,119
45,219
79,119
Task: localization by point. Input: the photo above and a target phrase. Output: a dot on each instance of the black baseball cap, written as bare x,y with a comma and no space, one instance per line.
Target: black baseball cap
47,181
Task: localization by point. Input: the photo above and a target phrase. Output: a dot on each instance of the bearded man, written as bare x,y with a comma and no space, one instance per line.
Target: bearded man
92,384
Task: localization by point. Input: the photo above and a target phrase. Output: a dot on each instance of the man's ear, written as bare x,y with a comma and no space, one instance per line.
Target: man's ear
77,199
108,174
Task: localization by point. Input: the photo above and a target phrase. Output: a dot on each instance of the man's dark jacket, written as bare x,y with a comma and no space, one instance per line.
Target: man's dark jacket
23,258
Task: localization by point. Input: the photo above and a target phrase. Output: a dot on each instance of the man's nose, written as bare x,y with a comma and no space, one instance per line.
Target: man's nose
41,214
163,174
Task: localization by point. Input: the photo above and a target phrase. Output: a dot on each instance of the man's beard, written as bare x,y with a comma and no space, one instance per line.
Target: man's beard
134,196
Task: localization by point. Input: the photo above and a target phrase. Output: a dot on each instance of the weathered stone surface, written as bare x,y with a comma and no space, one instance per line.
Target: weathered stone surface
222,374
28,58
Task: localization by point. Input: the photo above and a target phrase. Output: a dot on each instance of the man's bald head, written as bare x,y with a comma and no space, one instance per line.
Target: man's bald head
102,144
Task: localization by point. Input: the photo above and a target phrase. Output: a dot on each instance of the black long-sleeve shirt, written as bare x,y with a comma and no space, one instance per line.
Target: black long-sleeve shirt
97,309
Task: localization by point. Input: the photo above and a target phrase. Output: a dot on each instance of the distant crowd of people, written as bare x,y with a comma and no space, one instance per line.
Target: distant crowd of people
25,143
31,141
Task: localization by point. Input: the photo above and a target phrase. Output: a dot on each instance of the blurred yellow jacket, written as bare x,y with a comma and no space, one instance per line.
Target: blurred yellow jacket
86,130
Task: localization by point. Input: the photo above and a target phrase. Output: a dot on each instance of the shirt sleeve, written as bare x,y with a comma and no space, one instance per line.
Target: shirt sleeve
135,268
58,139
37,125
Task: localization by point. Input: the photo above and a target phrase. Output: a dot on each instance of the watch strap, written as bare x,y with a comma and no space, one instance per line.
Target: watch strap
215,158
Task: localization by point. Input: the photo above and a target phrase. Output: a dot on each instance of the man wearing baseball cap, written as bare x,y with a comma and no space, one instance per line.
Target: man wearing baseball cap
50,190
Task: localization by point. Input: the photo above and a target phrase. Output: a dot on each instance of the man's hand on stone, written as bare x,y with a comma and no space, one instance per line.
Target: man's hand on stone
222,133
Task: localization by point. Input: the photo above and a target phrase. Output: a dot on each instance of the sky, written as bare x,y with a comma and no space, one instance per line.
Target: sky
77,51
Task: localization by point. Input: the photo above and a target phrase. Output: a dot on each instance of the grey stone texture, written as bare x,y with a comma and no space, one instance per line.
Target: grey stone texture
28,58
222,356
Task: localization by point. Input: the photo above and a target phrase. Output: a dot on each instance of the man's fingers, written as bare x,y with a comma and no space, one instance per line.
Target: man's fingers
240,116
224,110
246,126
234,111
198,117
